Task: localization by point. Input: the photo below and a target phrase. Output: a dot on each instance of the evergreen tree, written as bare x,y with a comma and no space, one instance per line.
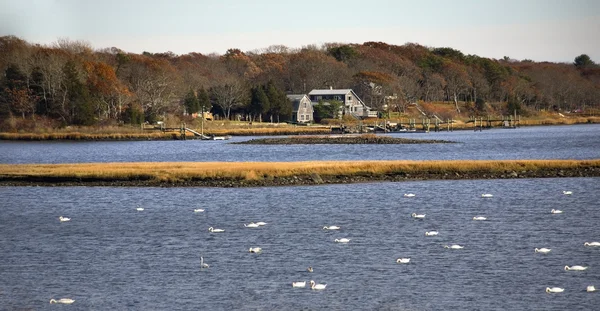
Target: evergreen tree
81,111
259,102
280,106
191,103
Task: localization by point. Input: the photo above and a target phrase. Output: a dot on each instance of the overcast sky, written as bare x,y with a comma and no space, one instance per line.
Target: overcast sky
542,30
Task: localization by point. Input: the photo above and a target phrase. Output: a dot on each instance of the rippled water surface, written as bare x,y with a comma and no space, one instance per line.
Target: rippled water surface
112,257
551,142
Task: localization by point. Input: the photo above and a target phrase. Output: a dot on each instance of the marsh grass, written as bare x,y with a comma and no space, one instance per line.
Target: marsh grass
188,171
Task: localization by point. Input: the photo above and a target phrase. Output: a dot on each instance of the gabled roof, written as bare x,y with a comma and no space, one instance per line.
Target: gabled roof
330,92
294,97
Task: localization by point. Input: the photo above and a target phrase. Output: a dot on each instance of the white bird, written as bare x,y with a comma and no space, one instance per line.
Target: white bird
542,250
454,246
567,192
261,223
591,244
431,233
202,264
314,285
198,210
331,228
479,218
590,288
487,195
63,219
556,211
420,216
342,240
251,225
255,250
409,195
554,290
299,284
211,229
67,301
575,268
139,209
403,260
309,269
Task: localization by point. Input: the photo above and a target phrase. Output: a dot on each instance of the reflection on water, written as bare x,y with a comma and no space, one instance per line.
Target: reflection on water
552,142
111,256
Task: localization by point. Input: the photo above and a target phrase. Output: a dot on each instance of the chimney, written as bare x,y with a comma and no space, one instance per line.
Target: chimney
331,87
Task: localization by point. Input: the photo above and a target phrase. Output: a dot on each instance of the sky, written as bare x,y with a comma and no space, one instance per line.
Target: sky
540,30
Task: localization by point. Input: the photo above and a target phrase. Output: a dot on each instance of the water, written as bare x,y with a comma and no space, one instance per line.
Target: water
551,142
112,257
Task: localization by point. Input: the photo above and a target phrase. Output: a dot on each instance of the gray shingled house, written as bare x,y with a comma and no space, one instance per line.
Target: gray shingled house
302,109
351,103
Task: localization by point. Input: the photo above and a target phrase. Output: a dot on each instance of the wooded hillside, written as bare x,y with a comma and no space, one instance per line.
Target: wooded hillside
70,83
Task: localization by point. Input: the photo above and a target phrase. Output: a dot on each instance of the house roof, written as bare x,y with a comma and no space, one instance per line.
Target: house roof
295,96
330,92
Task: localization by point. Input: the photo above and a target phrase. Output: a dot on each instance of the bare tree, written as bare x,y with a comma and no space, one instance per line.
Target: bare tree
230,95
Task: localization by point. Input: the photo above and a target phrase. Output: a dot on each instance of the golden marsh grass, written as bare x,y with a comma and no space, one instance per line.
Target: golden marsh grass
186,171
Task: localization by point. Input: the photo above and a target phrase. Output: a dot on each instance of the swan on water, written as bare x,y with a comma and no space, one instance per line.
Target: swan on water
198,210
487,195
409,195
419,216
342,240
67,301
431,233
251,225
255,250
211,229
591,244
63,219
556,211
309,269
299,284
202,264
590,288
542,250
454,246
261,223
567,192
139,209
331,228
479,218
575,268
554,290
403,260
314,285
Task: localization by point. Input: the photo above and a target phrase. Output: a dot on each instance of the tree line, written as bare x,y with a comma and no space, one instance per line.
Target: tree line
71,83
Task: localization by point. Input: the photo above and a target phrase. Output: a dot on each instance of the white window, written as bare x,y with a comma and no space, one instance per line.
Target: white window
301,117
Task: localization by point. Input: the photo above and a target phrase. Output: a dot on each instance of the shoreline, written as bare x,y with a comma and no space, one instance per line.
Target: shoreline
266,174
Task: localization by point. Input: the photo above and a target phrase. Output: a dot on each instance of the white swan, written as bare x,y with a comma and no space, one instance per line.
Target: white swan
309,269
409,195
575,268
542,250
487,195
67,301
63,219
591,244
454,246
139,209
331,228
431,233
567,192
211,229
590,288
554,290
342,240
255,250
299,284
314,285
198,210
479,218
251,225
261,223
556,211
403,260
419,216
202,264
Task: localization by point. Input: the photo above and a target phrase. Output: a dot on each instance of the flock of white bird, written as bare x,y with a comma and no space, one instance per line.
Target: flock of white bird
403,260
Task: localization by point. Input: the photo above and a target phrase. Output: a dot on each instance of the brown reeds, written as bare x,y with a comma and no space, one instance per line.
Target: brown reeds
253,171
